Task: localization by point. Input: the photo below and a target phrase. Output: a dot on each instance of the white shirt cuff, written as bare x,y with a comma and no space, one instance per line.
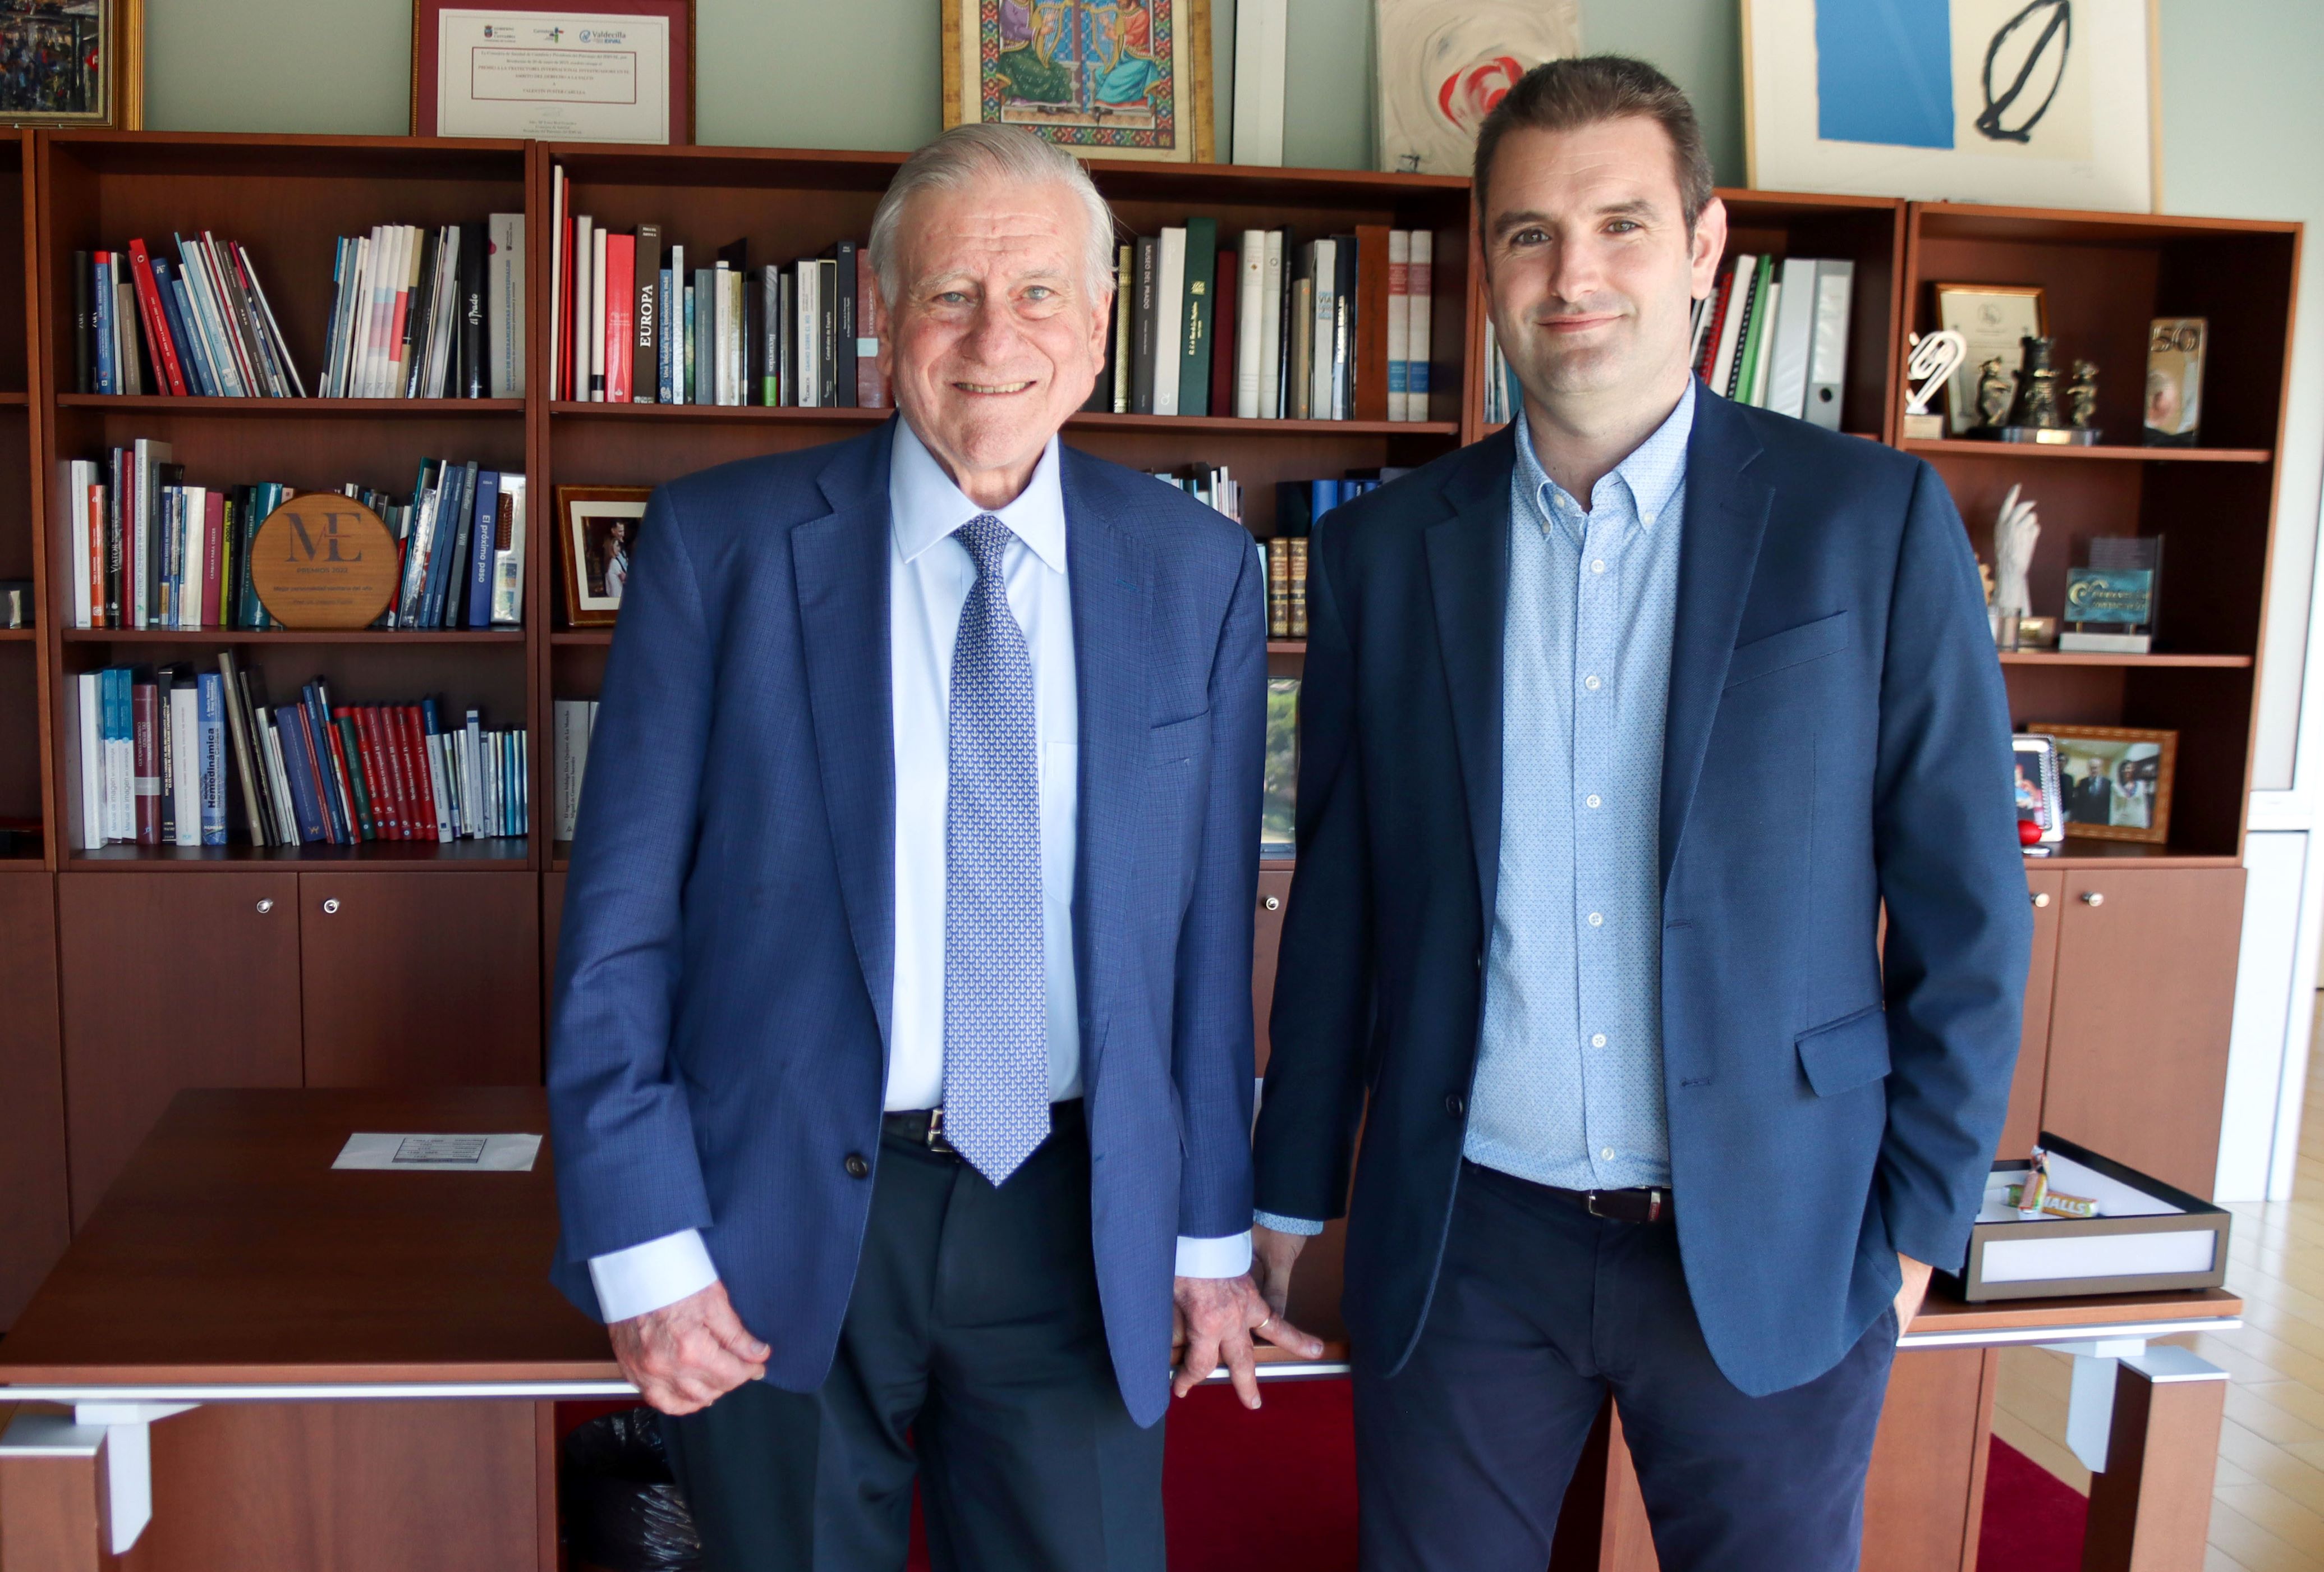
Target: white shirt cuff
645,1277
1227,1257
1287,1225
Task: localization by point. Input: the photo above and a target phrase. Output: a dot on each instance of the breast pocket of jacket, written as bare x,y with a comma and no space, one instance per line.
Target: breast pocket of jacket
1785,651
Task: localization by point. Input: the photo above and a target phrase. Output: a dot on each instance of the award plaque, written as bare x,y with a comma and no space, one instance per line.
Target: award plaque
323,560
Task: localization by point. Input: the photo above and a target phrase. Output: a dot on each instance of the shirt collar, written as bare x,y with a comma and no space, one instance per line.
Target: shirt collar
1653,471
927,506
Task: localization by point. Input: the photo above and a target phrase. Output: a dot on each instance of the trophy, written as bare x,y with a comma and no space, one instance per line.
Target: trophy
1935,357
2082,396
2038,416
2014,532
1995,391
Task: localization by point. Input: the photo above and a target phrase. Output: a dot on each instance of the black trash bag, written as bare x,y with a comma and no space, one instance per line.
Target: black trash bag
621,1508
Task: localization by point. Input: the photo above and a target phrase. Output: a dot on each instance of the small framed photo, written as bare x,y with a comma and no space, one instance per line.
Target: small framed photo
597,541
1993,318
2040,800
2116,780
73,62
600,71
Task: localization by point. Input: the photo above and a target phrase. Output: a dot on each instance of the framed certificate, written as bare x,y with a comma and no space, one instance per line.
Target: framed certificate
615,70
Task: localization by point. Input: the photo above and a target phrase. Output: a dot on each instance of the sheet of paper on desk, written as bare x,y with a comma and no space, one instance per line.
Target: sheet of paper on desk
452,1153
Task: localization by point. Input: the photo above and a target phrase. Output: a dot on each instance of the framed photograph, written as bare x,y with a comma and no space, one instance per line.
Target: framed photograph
1279,788
614,70
2039,798
1444,64
1992,317
597,541
2030,103
2116,780
73,62
1129,79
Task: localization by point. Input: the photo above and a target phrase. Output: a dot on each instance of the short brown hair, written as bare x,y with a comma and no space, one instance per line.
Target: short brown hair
1569,94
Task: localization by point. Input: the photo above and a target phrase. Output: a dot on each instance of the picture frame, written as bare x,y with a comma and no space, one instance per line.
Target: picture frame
597,541
2115,780
562,78
108,95
2044,104
2040,787
1007,62
1992,318
1444,64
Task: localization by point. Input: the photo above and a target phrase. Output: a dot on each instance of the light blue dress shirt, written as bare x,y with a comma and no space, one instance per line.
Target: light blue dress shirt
929,576
1569,1082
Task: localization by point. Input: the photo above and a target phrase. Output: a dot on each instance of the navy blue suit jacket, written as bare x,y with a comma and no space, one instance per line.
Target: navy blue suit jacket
1837,736
724,970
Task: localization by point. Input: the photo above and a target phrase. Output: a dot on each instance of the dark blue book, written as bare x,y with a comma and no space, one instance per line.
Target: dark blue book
298,769
108,377
315,710
444,564
173,316
480,566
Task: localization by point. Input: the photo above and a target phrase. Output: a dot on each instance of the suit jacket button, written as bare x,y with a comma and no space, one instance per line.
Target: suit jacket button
855,1165
1455,1104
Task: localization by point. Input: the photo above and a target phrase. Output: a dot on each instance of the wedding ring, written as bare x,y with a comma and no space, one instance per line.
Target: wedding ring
1263,1325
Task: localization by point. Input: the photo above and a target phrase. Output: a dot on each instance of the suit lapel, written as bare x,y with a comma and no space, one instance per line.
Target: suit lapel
839,567
1469,583
1726,515
1110,576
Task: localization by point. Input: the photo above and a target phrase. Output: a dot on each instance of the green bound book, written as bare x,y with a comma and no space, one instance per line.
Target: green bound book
1202,280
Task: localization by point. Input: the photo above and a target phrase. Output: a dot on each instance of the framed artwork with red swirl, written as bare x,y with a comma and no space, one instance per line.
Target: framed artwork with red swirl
1444,64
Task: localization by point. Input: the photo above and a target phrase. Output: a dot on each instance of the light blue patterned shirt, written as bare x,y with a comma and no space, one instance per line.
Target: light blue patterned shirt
1569,1085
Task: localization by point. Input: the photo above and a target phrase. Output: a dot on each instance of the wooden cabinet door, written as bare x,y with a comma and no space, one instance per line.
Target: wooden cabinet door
420,979
2138,1030
34,1218
2046,887
168,980
552,923
1274,894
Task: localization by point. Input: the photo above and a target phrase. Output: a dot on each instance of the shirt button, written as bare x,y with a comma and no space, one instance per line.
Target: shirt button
1597,920
1592,799
1606,1153
855,1166
1455,1104
1597,1040
1646,518
1599,566
1591,684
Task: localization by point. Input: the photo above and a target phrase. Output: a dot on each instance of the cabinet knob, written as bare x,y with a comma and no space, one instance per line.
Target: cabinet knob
2042,898
331,906
266,906
1272,903
2093,898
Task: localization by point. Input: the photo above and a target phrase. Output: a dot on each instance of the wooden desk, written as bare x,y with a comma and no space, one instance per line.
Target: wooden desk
234,1295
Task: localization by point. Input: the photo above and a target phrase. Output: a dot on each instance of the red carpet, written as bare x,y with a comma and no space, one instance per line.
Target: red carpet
2032,1519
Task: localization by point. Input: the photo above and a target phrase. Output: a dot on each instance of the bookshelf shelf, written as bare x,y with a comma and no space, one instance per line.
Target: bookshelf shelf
1089,421
342,408
19,635
508,855
15,401
1955,448
704,414
583,638
374,638
2129,663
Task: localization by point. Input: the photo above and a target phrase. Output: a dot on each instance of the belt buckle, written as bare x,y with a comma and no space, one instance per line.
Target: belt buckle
936,1141
1589,1205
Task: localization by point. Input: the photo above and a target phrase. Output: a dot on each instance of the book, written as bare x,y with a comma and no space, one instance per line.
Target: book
753,286
807,304
561,310
1367,398
84,336
1125,328
1399,321
1279,587
573,719
871,326
1299,379
1323,274
1736,288
600,246
827,332
1788,380
1169,320
620,284
644,355
845,350
145,736
1835,286
183,763
471,377
1763,357
504,277
1226,332
1270,328
1148,264
1197,329
1748,329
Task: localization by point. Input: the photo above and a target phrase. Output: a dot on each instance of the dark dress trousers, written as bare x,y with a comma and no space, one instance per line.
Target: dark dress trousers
1836,737
724,970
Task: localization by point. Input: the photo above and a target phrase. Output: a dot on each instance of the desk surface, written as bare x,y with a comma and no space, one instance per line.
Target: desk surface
230,1252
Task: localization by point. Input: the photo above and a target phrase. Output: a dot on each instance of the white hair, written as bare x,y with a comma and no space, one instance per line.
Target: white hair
969,153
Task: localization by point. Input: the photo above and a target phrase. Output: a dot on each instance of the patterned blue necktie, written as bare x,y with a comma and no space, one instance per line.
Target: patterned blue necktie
996,1041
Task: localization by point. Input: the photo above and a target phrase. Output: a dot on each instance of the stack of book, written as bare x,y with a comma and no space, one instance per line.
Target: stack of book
1207,483
202,328
150,550
172,756
1773,334
1335,328
1503,396
642,320
428,314
1299,506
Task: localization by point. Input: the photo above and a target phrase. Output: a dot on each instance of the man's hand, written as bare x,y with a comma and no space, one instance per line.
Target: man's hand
1217,1316
1272,1255
686,1355
1915,1290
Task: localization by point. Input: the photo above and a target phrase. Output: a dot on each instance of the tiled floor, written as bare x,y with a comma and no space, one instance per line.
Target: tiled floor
2267,1510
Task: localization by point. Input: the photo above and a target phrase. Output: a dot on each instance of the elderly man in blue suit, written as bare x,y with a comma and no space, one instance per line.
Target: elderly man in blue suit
1618,730
900,1072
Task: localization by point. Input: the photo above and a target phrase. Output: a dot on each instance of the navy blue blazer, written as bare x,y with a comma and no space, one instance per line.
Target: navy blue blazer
724,970
1837,736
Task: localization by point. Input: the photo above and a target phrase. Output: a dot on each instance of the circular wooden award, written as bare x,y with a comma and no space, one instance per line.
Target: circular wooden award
323,560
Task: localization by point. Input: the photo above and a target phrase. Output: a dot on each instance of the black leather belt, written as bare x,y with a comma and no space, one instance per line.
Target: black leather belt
924,1127
1640,1205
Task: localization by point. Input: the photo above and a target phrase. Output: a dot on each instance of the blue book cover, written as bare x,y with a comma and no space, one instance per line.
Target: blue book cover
1323,496
198,368
665,342
480,569
315,711
165,281
447,804
119,737
107,382
306,793
441,567
210,703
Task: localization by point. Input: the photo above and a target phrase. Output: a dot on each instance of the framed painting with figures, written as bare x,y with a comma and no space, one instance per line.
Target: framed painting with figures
72,63
1107,78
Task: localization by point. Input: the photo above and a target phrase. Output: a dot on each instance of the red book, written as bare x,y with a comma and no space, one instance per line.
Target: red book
395,345
93,502
621,314
213,548
157,322
377,772
145,756
1223,292
377,725
1719,303
566,337
423,784
870,327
